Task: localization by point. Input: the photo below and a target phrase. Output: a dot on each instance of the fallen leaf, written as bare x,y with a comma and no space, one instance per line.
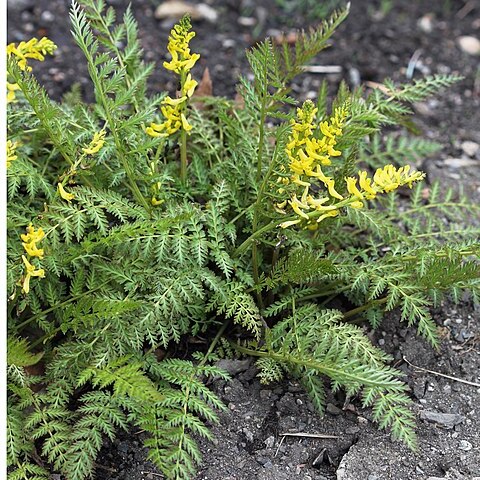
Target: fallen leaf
204,89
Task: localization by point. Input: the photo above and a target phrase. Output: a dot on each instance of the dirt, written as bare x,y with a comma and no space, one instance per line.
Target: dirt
378,40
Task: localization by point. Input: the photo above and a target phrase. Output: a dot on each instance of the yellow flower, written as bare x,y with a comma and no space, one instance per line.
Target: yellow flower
96,144
175,119
30,272
178,46
297,207
34,48
365,185
304,150
174,110
173,101
185,125
385,180
11,154
11,89
331,213
352,187
156,202
32,249
30,241
389,178
64,194
290,223
32,235
189,86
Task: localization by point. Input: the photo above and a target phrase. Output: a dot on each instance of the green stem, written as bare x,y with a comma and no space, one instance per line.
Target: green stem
214,342
183,135
263,114
355,311
102,97
183,156
58,305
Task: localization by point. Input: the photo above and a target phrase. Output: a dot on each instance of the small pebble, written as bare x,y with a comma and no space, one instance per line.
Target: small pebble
447,420
47,16
465,446
425,24
469,44
333,410
457,163
470,148
270,442
247,21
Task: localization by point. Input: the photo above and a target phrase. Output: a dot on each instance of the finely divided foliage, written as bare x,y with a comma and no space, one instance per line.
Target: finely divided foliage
121,245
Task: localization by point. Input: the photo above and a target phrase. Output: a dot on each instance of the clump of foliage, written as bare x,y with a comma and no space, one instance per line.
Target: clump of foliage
130,230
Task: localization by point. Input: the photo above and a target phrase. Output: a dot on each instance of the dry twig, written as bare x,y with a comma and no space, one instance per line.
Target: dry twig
473,384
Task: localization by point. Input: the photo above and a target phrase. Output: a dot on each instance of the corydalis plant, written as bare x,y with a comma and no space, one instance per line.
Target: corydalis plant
175,109
116,260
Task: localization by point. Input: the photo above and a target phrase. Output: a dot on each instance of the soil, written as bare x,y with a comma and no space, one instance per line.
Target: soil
378,40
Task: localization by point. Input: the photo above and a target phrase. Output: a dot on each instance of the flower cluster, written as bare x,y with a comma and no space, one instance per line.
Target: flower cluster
11,153
309,148
96,144
30,240
305,151
386,179
33,49
174,109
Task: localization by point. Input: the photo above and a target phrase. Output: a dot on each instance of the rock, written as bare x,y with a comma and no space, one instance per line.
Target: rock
470,148
469,44
447,420
333,410
465,446
175,9
248,434
207,12
270,441
247,21
352,430
460,162
47,16
233,367
425,24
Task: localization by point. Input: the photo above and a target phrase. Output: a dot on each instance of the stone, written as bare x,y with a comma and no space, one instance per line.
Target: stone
175,9
425,23
447,420
333,410
233,367
465,445
470,148
457,163
469,44
270,441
